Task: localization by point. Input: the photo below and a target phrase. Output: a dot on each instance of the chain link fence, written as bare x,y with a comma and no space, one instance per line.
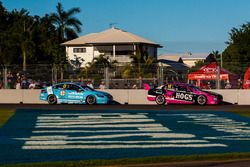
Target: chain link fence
116,77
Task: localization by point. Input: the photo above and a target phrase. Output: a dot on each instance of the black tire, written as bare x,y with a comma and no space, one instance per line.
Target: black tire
201,100
91,100
160,100
52,99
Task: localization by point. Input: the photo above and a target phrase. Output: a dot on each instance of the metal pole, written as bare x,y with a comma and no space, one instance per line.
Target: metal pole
52,75
106,77
218,86
221,60
5,77
55,74
114,52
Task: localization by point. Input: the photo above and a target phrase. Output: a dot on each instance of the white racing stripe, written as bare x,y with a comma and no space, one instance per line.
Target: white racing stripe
120,146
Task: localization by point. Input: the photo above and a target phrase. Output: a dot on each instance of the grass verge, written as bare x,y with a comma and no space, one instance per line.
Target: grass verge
242,113
134,161
5,115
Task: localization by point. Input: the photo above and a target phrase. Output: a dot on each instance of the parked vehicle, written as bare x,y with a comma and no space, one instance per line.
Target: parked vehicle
74,93
180,93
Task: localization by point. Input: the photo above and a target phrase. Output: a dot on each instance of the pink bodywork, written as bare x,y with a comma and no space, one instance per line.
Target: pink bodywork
169,95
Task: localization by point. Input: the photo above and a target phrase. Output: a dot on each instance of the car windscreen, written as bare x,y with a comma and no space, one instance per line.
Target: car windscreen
194,88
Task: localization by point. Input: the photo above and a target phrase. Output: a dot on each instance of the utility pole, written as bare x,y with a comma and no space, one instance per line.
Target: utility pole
221,60
218,86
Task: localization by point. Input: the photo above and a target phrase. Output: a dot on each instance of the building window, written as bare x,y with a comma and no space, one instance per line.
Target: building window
79,50
123,53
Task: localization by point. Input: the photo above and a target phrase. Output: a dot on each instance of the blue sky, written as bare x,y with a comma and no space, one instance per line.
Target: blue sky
196,26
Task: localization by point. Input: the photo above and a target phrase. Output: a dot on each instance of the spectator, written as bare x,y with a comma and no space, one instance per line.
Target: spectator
24,82
1,84
10,80
239,84
134,86
228,85
18,84
209,85
89,84
32,85
102,85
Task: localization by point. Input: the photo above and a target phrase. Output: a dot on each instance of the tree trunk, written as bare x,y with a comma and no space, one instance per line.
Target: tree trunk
24,60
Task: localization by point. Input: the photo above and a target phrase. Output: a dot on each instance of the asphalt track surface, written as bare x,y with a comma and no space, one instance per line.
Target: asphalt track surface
159,113
223,107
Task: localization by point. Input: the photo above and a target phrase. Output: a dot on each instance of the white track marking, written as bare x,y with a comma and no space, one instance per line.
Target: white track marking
152,135
101,126
96,122
117,146
147,129
241,130
63,142
99,131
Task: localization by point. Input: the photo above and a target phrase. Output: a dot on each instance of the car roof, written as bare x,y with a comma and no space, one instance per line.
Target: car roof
73,83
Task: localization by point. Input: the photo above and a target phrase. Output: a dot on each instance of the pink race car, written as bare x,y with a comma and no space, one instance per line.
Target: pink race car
180,93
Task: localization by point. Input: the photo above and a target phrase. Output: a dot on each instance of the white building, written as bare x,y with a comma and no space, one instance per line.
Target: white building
187,58
117,44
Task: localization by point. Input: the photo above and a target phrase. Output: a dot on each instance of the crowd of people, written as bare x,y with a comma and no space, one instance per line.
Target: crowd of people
21,81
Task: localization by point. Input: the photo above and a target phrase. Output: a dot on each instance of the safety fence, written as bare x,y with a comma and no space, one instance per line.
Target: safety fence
122,76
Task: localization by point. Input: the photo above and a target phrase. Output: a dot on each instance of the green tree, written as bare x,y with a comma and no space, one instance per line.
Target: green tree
236,57
3,40
96,68
197,65
142,64
26,39
67,25
217,56
20,33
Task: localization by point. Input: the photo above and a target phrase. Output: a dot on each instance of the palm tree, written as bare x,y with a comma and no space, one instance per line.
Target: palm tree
67,25
104,61
218,57
22,29
142,62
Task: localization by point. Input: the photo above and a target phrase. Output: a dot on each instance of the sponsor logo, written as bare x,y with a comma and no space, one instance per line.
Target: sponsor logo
184,96
62,93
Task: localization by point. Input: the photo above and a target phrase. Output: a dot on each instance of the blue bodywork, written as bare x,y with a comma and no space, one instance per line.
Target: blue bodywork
74,93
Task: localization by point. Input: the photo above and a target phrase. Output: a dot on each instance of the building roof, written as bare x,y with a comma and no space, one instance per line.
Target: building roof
194,56
176,58
109,36
173,61
173,64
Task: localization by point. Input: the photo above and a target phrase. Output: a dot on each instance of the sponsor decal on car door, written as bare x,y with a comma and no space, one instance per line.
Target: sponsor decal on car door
184,96
74,94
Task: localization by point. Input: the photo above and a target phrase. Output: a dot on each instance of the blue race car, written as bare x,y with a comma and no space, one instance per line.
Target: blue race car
74,93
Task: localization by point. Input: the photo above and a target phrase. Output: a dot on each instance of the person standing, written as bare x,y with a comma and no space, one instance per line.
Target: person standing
89,84
102,85
18,84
